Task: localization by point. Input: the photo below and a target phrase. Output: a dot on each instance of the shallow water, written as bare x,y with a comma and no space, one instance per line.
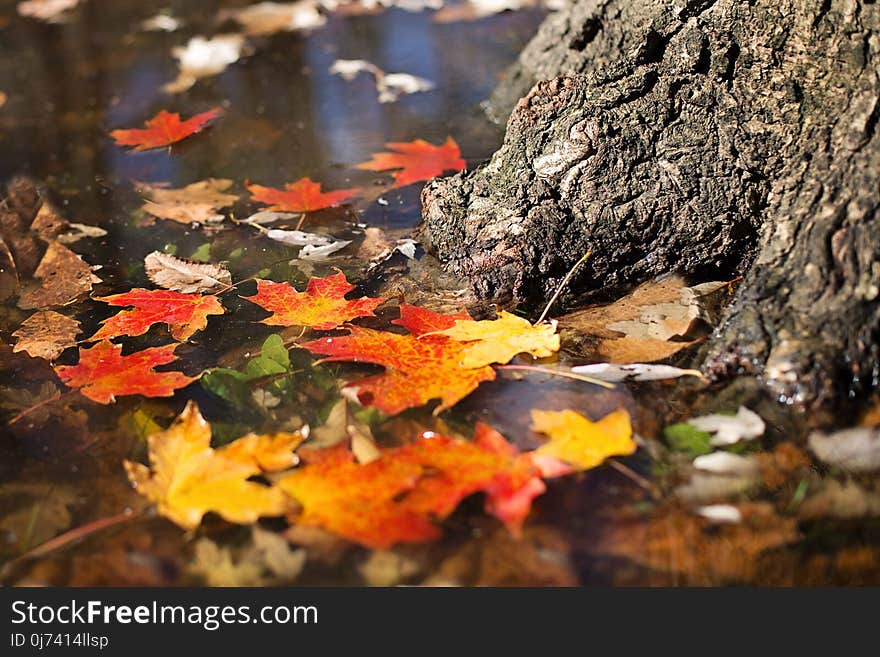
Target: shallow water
284,117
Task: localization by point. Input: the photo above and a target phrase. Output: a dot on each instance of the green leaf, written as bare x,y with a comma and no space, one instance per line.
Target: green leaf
202,253
683,437
228,384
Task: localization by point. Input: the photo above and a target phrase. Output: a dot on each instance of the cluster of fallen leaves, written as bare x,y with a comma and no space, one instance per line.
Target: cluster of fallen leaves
396,494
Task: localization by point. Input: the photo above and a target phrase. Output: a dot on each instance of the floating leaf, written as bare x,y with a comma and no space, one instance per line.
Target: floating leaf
266,18
855,450
312,252
304,195
46,334
298,237
579,441
653,322
61,277
499,340
417,160
390,86
195,203
185,275
634,371
418,369
187,479
202,58
51,11
399,496
164,129
322,306
103,372
183,313
730,429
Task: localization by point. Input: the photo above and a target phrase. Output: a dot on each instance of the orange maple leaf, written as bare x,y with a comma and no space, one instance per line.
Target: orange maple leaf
417,369
183,313
416,160
400,496
103,372
164,129
322,306
304,195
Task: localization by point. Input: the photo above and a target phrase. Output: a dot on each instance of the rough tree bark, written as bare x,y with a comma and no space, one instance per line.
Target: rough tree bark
703,137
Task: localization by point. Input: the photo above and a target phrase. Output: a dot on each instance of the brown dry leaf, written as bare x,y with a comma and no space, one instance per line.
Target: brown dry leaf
63,277
187,276
46,334
641,326
684,549
195,203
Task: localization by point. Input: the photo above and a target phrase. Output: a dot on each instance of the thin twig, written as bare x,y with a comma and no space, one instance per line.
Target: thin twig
77,533
562,287
631,474
31,409
563,373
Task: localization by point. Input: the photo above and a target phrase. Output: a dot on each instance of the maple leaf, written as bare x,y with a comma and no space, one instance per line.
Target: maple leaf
304,195
322,306
499,340
399,496
416,160
183,313
418,369
103,372
187,478
164,129
579,441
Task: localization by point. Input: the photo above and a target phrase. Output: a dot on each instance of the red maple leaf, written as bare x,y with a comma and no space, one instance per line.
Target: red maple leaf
417,369
322,306
183,313
416,160
304,195
402,494
164,129
103,372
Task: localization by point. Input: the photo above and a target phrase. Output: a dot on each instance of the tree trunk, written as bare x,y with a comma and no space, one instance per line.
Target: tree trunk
704,137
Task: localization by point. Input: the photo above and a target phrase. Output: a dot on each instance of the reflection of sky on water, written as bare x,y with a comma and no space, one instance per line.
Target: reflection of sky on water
285,115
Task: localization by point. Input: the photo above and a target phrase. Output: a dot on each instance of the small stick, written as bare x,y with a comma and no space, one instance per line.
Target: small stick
562,287
638,479
562,373
53,398
77,533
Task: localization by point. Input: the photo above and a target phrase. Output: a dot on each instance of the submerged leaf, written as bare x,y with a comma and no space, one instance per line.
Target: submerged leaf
61,277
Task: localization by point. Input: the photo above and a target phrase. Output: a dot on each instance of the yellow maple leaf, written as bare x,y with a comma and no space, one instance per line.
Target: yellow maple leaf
499,340
187,478
579,441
